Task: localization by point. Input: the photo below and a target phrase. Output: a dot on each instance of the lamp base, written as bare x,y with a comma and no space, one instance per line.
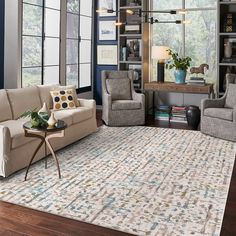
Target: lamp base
160,72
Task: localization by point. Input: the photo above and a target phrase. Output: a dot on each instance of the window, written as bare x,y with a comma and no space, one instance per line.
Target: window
196,39
43,42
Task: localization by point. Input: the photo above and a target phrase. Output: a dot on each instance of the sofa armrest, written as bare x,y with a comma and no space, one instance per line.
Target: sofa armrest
212,103
5,144
139,97
90,103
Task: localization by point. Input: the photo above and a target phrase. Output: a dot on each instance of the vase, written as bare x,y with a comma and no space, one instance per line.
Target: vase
228,50
180,76
44,112
52,121
193,115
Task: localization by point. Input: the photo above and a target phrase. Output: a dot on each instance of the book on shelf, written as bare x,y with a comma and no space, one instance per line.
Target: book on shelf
178,120
178,108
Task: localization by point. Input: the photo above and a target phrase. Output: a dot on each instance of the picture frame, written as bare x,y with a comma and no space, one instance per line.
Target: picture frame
107,30
107,4
107,55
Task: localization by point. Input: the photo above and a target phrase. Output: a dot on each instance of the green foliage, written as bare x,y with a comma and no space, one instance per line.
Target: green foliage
37,120
180,63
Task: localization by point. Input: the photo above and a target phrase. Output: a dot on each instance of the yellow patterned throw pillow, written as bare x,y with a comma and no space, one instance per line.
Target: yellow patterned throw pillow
63,99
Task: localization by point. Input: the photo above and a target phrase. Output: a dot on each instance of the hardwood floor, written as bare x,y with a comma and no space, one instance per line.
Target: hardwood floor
18,220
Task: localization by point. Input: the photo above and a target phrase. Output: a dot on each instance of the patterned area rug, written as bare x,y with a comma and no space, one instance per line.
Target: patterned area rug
141,180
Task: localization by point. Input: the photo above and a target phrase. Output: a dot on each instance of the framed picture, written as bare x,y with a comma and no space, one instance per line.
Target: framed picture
107,30
107,54
107,4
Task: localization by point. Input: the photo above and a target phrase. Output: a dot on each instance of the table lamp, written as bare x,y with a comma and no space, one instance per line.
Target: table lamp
161,54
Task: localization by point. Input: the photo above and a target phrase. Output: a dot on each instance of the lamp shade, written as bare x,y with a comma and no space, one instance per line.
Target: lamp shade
160,52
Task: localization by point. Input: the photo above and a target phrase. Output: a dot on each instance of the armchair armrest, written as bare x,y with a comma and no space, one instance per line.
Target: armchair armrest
5,144
139,97
212,103
106,100
234,114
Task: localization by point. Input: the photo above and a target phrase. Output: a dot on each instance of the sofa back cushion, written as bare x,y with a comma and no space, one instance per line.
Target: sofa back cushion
23,99
45,96
119,89
5,109
230,101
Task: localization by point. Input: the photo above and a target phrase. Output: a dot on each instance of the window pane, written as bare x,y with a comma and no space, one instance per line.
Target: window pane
200,3
52,23
51,50
85,75
85,51
85,27
51,75
53,4
32,20
86,8
73,6
31,51
72,51
72,75
72,26
170,4
31,76
201,40
161,37
36,2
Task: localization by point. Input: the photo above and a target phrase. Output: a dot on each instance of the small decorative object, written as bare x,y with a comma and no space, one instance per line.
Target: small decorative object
227,50
44,111
52,121
181,65
124,54
133,50
228,27
36,120
193,115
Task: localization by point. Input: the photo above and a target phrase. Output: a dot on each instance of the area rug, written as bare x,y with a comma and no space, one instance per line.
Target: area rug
140,180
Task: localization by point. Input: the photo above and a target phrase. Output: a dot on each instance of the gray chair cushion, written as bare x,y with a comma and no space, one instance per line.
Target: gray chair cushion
119,89
126,105
230,101
220,113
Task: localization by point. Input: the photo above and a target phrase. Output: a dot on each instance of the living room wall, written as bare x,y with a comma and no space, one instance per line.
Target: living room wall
2,8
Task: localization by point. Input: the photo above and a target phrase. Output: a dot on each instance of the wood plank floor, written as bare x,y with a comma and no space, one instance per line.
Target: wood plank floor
18,220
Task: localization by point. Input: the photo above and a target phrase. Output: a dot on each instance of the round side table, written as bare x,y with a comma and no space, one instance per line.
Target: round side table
48,133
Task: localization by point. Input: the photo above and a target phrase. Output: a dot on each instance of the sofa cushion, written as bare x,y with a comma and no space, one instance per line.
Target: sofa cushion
119,89
45,96
64,115
63,99
125,105
220,113
23,99
5,109
230,101
17,132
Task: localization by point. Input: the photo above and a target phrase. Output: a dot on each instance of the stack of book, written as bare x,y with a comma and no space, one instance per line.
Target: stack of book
197,81
163,113
178,114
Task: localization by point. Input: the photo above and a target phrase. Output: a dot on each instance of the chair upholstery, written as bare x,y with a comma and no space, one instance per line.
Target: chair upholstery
218,116
122,106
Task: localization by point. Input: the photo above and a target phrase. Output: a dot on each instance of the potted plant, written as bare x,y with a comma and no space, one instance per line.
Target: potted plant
181,65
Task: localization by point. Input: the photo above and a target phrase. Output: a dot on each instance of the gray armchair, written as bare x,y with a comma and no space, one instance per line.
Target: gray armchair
122,106
218,117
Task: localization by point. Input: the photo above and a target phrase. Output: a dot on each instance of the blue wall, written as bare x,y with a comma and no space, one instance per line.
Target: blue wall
99,68
2,8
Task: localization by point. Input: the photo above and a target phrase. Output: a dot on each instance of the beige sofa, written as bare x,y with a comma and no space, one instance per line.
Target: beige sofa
15,149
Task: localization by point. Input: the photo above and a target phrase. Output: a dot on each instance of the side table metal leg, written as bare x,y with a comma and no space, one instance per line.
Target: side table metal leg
35,152
56,135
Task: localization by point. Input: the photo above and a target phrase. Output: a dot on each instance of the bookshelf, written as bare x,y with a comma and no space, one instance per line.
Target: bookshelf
133,41
226,42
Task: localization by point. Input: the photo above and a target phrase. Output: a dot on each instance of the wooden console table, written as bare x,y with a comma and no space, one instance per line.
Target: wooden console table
180,88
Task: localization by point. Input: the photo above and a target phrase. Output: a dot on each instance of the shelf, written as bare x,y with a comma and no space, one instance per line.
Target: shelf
131,7
132,35
130,62
227,64
227,34
227,3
